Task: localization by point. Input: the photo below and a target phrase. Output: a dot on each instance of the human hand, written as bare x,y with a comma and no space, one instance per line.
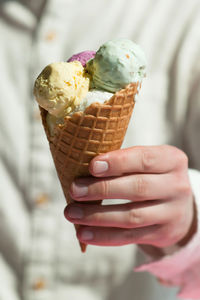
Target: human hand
154,179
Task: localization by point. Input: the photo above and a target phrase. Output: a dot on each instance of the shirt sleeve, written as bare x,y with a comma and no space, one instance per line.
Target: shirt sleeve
181,268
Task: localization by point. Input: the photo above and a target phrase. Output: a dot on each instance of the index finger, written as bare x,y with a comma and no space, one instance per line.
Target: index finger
138,159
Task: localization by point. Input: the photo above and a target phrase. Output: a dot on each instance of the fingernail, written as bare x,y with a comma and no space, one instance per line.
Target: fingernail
100,167
87,235
79,190
75,213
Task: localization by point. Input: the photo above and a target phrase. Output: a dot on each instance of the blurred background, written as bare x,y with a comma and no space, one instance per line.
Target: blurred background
40,257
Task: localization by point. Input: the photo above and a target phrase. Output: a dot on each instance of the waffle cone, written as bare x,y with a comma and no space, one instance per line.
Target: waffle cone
99,129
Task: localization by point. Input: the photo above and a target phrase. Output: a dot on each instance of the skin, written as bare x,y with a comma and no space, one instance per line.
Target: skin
160,211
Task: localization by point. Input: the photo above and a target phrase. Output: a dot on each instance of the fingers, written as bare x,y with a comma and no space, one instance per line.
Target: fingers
133,187
140,159
159,223
118,236
129,215
157,174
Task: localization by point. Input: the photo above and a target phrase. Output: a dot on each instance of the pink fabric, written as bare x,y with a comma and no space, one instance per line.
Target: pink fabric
183,267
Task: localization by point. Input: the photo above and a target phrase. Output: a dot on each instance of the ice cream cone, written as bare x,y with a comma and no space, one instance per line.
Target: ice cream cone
99,129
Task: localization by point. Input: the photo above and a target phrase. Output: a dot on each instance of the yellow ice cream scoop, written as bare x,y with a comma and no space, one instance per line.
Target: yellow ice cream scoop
61,86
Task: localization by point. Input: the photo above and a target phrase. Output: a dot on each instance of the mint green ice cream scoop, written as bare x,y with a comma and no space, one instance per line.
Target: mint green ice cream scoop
116,64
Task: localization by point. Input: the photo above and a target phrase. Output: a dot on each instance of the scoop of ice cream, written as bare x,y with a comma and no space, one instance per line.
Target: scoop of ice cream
91,97
116,64
61,86
83,57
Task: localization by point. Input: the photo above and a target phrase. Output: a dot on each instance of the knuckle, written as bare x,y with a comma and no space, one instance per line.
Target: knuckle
148,159
183,186
134,218
104,188
141,186
117,162
186,189
181,158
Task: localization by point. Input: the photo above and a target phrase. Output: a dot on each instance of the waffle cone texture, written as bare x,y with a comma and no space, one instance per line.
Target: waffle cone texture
99,129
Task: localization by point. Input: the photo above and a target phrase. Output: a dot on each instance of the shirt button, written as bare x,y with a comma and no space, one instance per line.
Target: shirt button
50,36
42,199
39,284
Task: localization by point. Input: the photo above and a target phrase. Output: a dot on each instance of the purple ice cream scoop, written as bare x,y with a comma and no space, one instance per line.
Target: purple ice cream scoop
83,57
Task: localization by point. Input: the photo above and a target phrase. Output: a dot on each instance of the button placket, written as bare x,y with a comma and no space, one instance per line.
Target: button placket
40,269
